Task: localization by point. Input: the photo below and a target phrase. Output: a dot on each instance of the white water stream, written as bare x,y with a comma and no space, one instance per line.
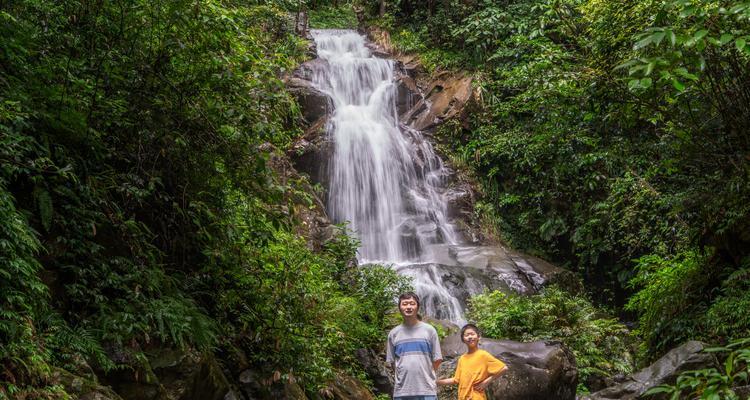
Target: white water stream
385,180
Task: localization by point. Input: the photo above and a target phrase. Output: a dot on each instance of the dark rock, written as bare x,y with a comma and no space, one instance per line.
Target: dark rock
536,371
460,198
743,392
190,375
346,387
665,370
313,151
255,386
307,70
377,370
171,374
541,273
314,103
315,226
407,94
82,387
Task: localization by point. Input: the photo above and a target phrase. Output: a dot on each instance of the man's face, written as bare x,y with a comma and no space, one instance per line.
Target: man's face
408,307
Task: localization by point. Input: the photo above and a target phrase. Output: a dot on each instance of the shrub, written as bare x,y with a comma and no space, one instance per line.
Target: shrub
600,344
712,383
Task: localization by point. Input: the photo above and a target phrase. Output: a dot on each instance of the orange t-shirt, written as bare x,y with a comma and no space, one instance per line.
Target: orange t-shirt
472,369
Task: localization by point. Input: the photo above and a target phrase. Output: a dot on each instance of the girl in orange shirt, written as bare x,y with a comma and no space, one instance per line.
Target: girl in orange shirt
476,369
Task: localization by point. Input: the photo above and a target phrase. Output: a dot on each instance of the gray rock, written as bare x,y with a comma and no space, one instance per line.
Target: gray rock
307,69
536,371
407,94
377,370
665,370
313,103
312,152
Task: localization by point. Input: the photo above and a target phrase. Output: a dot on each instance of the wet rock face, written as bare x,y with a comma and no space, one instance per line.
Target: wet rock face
314,103
312,152
377,370
444,99
461,271
665,370
536,371
407,94
171,374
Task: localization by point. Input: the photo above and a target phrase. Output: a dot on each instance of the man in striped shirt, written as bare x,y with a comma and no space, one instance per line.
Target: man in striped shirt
414,349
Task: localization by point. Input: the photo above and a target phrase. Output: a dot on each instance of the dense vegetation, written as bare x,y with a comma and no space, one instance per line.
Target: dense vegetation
139,206
137,209
601,344
712,383
611,137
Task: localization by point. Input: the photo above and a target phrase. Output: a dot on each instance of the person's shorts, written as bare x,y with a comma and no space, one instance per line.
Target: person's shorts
415,398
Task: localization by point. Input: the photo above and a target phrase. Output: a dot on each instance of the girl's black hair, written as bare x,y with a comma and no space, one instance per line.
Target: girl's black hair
472,327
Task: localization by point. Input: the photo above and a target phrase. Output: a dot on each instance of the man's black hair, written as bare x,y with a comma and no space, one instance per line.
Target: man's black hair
408,295
472,327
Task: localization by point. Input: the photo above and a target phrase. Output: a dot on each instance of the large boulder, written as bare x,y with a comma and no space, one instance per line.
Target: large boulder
314,224
312,152
445,98
343,387
313,103
665,370
171,374
84,387
407,93
256,386
536,371
380,373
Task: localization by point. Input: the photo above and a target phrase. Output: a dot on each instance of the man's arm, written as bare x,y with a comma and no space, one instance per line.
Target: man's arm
436,364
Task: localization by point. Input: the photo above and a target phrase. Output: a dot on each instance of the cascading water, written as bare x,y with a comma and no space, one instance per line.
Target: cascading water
389,198
387,181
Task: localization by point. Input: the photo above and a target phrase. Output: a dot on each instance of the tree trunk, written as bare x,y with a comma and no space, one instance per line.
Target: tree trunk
382,8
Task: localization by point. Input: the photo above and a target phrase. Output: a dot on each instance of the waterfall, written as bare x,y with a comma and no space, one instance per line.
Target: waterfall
385,180
384,183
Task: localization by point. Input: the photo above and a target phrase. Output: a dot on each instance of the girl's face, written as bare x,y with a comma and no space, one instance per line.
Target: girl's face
471,337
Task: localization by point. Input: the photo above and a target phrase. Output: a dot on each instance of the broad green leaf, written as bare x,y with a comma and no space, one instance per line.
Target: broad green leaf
738,8
659,389
649,68
643,42
678,85
658,37
700,34
725,38
740,44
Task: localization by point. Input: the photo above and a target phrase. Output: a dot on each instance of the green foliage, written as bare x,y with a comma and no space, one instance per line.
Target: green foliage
608,132
331,17
675,301
137,207
600,343
710,383
671,289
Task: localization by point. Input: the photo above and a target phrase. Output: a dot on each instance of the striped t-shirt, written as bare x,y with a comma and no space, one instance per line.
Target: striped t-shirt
412,349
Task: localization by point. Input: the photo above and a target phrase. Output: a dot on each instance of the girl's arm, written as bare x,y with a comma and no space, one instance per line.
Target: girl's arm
446,381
